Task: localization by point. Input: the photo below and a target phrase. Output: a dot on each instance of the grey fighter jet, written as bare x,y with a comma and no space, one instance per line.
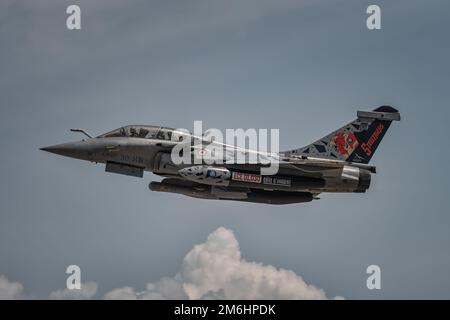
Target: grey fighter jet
338,162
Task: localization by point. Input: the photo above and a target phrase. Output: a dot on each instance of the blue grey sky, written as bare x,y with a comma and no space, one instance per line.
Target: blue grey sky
304,67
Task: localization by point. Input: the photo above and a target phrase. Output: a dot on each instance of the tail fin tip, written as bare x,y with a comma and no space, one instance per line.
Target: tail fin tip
387,109
386,113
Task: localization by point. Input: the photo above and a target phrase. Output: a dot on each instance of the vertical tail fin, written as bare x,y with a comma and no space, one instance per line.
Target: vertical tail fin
354,142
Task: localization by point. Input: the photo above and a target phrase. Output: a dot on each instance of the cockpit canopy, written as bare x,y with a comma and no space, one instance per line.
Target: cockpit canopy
146,132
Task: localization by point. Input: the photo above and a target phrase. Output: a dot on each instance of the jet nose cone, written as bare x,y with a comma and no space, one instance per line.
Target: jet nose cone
52,149
48,149
71,149
64,149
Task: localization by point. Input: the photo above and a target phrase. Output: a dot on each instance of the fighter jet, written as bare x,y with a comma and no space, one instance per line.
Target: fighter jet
338,162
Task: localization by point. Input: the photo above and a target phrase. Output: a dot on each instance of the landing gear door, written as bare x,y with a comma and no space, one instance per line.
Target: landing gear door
163,164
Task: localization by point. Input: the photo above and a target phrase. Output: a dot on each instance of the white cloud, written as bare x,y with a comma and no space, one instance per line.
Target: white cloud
125,293
166,288
212,270
216,270
87,291
9,289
